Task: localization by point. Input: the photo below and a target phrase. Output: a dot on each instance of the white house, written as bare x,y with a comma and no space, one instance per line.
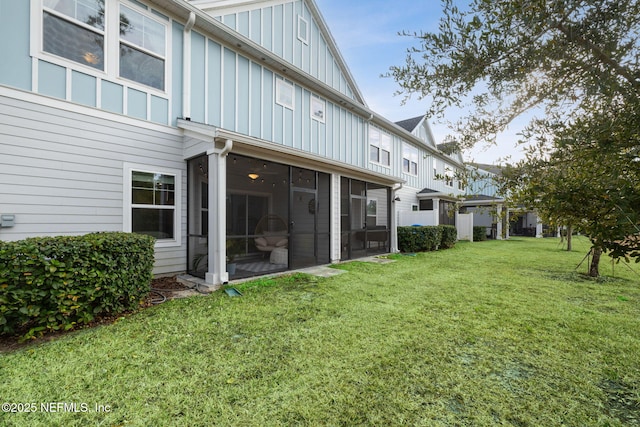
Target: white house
490,210
226,129
440,186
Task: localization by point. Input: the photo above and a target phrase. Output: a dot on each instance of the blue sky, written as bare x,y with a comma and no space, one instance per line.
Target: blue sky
366,33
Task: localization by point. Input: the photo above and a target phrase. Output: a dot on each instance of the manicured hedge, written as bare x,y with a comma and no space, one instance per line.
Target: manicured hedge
52,283
479,233
426,238
449,236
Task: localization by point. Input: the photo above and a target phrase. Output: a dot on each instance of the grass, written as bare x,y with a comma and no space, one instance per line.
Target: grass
486,333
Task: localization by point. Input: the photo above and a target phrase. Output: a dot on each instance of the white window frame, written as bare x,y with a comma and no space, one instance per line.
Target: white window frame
111,71
372,202
380,145
164,57
37,40
410,153
285,94
127,204
448,177
303,30
318,109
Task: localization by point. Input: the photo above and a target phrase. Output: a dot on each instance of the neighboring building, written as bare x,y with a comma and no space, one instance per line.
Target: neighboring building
489,210
226,129
441,186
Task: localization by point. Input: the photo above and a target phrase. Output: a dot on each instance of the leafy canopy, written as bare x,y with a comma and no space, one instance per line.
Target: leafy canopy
504,57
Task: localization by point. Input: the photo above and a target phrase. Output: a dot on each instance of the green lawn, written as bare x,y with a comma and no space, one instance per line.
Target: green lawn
486,333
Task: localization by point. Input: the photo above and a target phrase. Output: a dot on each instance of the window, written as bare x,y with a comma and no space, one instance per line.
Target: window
426,205
317,109
303,30
410,159
152,203
448,178
284,94
132,45
74,29
379,146
435,169
142,48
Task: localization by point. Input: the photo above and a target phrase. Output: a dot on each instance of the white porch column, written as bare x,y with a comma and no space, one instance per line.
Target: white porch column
436,211
499,222
217,273
539,233
335,226
506,225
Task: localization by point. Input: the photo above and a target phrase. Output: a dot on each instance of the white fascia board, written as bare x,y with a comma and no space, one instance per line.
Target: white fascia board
248,145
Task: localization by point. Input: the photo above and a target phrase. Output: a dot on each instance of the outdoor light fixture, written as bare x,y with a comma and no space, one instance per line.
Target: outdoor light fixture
253,176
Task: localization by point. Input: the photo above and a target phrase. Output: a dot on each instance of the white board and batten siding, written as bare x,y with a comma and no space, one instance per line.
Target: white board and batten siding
238,94
290,31
61,169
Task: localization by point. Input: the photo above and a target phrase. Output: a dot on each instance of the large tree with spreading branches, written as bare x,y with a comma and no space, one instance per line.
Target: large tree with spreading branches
577,61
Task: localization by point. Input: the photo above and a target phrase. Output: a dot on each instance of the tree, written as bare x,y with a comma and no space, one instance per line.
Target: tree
588,177
578,61
505,57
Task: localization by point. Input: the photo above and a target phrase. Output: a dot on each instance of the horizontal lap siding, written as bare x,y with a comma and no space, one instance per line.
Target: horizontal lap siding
61,172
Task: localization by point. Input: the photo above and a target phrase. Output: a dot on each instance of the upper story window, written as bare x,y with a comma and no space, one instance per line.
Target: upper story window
123,41
284,94
409,159
75,30
379,146
142,48
448,178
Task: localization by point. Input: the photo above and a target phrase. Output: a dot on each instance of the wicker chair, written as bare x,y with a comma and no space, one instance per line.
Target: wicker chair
273,233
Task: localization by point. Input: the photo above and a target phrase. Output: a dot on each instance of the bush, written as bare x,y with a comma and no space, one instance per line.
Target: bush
449,236
426,238
52,283
479,233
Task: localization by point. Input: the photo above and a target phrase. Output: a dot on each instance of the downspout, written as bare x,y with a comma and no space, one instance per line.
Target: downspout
394,218
186,67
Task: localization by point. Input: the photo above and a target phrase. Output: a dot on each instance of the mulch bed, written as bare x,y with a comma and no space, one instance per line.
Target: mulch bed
163,289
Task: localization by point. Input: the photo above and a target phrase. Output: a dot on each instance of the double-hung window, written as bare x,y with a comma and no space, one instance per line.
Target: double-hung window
142,48
379,146
152,201
75,30
125,40
448,177
409,159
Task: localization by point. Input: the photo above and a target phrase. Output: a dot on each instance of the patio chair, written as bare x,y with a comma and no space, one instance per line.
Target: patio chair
271,232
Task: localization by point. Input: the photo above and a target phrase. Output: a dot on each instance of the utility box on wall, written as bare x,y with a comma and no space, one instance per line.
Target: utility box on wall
7,220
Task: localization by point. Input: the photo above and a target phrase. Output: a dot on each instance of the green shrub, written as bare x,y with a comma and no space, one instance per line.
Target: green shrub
52,283
449,236
419,239
479,233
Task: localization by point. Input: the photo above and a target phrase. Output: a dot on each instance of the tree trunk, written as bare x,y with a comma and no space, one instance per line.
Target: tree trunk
569,233
595,261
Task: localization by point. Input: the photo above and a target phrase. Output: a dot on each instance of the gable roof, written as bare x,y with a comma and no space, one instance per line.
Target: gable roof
186,10
410,124
220,8
494,169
